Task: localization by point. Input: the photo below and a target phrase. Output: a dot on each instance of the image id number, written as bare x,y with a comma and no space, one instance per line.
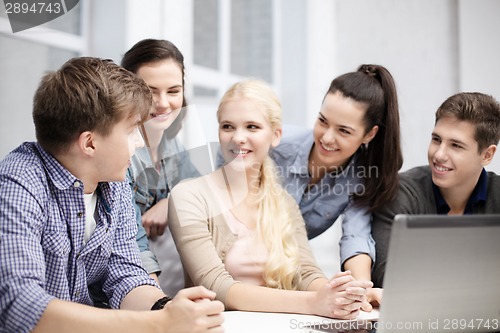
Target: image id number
35,8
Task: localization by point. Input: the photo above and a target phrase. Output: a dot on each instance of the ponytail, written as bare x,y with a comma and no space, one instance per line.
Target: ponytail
374,86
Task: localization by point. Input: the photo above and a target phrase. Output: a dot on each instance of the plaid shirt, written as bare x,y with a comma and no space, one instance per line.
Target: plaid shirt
42,252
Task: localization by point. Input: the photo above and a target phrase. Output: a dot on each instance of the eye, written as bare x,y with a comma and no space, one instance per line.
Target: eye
457,146
253,127
435,139
225,126
174,92
345,131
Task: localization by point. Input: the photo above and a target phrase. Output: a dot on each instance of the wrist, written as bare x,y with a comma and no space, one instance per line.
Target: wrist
160,304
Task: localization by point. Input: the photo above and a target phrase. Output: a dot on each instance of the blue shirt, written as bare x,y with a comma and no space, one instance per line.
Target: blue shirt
151,185
331,197
479,195
42,225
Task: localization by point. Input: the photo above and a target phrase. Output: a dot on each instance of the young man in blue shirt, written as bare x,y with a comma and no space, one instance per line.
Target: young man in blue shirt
67,222
463,142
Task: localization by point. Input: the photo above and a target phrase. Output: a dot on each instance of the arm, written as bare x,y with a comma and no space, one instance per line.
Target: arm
183,314
357,247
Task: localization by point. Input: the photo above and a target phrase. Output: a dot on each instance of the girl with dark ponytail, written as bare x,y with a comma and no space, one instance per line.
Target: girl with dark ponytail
348,165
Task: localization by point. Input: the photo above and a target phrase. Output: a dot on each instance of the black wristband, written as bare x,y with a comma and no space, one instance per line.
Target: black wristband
160,304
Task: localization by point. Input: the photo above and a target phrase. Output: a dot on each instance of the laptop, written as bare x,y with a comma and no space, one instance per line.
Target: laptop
442,275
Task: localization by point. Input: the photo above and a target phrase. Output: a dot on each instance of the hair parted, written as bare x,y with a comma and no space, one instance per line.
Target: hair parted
480,110
374,86
274,221
149,51
86,94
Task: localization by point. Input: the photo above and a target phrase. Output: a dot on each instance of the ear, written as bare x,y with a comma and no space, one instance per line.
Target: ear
86,143
370,135
277,137
487,154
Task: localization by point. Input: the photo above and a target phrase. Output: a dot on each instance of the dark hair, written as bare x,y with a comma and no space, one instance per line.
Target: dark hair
149,51
481,110
374,86
86,94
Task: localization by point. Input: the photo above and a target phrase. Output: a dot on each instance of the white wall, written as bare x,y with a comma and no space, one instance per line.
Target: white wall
433,48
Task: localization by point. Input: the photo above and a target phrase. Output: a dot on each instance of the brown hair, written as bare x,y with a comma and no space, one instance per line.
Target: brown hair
481,110
86,94
149,51
374,86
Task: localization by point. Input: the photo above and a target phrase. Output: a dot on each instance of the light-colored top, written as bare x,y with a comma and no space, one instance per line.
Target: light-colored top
246,259
203,237
331,197
90,210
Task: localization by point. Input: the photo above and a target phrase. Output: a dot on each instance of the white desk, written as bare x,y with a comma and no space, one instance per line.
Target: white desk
265,322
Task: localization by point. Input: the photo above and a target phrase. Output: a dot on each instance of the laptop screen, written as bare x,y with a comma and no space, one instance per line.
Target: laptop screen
442,274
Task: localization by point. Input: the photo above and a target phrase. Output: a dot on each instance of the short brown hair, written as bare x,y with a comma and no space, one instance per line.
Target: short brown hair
481,110
86,94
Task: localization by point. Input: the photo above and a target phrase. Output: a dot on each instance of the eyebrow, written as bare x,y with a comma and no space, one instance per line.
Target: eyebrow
172,87
434,134
341,126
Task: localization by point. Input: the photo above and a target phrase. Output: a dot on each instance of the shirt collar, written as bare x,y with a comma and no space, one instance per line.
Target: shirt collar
478,195
63,179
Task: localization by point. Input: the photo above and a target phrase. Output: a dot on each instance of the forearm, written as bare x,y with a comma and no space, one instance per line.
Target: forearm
360,266
262,299
141,298
62,316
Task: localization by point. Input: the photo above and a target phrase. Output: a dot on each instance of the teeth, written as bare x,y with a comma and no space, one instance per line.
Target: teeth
240,152
160,115
328,148
440,168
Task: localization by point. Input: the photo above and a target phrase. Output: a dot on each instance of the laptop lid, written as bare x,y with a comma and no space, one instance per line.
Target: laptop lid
442,274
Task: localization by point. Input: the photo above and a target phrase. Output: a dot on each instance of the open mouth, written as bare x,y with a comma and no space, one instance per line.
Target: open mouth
328,148
240,151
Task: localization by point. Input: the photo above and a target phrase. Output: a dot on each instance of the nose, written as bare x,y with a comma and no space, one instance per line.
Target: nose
328,136
239,136
440,154
161,100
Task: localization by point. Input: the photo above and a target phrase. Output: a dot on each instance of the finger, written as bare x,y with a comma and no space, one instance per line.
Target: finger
361,284
356,291
215,320
366,306
194,293
342,280
345,314
153,232
354,306
161,229
211,307
339,274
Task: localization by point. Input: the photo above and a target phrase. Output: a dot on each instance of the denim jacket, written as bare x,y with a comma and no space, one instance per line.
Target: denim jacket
150,185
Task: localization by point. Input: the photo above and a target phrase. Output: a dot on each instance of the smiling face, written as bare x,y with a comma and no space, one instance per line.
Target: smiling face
339,131
165,80
245,134
453,155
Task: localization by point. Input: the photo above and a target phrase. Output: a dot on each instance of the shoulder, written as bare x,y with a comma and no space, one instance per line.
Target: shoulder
417,180
291,143
24,165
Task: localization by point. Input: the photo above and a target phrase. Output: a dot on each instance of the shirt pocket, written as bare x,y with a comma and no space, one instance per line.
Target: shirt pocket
56,243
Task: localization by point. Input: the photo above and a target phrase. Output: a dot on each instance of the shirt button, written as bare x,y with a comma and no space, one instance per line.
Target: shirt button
76,184
80,214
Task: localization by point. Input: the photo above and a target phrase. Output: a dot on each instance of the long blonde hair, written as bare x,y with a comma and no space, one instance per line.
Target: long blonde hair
274,224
